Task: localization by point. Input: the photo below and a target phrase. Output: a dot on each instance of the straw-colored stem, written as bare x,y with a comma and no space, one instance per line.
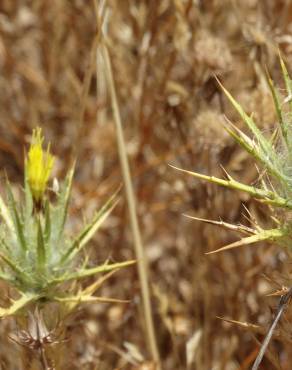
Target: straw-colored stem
141,258
44,360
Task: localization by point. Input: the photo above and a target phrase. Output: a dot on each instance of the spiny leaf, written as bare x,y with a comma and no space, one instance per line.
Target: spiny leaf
9,262
92,271
241,228
286,79
18,305
28,197
92,288
41,249
90,229
63,202
22,276
18,225
266,146
268,197
89,299
270,235
251,147
268,155
6,216
283,125
246,143
47,230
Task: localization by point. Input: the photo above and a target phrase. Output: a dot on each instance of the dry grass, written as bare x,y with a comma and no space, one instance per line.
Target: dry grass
164,56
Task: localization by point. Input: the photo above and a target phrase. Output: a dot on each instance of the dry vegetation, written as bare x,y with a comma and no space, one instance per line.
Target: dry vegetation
164,54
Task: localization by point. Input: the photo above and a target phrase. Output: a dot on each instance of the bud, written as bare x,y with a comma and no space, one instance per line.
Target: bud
38,165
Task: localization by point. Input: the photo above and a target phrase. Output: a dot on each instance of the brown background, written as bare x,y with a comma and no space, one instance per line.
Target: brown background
165,54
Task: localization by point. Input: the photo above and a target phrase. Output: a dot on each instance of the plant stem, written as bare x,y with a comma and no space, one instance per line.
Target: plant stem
44,360
141,258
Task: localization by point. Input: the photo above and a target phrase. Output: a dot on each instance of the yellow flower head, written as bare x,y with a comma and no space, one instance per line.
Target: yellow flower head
38,165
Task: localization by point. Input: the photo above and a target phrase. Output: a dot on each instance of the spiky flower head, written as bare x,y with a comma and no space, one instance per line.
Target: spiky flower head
37,256
39,165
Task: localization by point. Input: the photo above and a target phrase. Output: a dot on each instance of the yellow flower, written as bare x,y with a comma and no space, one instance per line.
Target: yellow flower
38,165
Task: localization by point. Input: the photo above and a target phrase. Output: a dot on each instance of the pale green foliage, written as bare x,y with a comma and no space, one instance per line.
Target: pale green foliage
37,255
275,156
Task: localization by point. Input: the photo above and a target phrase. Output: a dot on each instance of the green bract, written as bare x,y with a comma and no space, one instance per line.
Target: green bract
37,255
275,156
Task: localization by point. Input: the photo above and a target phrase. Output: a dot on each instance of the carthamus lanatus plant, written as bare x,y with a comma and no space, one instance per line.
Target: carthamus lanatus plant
37,256
274,186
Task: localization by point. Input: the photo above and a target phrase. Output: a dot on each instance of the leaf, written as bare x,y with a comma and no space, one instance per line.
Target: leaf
22,276
88,298
91,289
89,230
18,224
243,140
268,155
41,250
28,197
247,144
18,305
283,125
266,196
61,209
240,228
287,80
11,263
270,235
47,230
6,216
92,271
248,121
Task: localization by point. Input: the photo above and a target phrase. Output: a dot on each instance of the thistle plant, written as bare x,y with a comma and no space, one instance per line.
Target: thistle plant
274,154
37,256
274,187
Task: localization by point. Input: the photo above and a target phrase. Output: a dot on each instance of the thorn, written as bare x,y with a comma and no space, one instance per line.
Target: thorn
244,241
245,325
251,218
240,228
280,292
226,173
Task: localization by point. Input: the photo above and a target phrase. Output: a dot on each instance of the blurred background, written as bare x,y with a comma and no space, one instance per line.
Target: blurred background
165,55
